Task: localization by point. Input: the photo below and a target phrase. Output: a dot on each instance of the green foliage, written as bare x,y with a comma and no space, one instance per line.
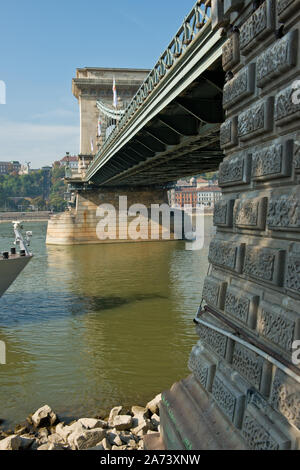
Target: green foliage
32,187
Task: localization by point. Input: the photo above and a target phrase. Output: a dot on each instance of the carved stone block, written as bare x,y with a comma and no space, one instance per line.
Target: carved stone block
223,213
296,153
213,340
231,52
228,255
287,106
250,213
202,366
214,292
241,305
286,8
256,120
248,364
261,433
292,273
273,161
278,325
240,86
265,264
235,170
228,133
230,399
277,59
258,26
284,211
285,397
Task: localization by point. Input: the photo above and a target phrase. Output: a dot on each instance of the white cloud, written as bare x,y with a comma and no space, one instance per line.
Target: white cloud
38,143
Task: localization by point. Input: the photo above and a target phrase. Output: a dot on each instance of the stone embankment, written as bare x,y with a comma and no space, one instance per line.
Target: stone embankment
44,431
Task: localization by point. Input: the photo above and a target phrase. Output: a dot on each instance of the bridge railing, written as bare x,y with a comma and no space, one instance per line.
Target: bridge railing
199,16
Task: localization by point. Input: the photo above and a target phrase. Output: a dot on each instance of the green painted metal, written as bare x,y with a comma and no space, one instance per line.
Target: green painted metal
199,16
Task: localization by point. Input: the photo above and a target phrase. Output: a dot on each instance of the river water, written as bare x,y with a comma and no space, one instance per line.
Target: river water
91,327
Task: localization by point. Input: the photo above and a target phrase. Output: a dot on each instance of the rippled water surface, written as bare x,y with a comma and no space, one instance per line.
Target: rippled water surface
90,327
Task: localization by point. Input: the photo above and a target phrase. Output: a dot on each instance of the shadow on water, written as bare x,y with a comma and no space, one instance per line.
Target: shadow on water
33,307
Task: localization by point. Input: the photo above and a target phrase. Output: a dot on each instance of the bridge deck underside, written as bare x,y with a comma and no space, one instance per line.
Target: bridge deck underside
181,140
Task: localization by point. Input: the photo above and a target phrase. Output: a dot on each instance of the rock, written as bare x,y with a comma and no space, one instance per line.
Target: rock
118,448
92,423
122,422
26,442
114,438
11,443
126,436
44,417
66,431
132,444
153,405
22,428
35,445
141,445
85,439
138,411
43,435
142,428
113,413
44,446
155,421
56,439
105,444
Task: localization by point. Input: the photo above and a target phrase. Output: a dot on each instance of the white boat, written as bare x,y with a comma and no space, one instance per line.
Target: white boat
13,262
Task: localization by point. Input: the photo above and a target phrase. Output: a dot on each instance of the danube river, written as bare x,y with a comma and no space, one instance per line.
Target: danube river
91,327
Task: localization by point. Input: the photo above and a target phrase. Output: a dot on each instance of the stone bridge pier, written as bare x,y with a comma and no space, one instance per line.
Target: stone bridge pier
115,215
244,391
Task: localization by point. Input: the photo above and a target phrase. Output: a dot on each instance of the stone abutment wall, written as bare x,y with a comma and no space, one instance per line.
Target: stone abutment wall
254,281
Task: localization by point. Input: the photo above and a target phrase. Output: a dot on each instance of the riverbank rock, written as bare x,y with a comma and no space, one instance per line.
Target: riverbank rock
92,423
113,413
42,431
44,416
153,405
122,422
11,443
105,444
86,439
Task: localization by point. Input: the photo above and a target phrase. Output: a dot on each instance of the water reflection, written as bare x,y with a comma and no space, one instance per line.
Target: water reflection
88,327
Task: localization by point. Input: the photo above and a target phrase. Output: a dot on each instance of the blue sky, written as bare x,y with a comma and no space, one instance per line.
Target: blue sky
42,44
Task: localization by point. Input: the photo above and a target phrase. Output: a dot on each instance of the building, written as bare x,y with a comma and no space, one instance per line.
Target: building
208,195
9,167
205,195
201,182
73,161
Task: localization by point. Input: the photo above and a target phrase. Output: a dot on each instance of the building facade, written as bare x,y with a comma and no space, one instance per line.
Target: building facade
9,167
206,195
72,160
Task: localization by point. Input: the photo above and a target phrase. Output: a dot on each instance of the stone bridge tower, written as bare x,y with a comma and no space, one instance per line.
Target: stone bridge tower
92,84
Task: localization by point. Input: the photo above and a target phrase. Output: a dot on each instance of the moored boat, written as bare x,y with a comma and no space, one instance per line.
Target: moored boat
13,262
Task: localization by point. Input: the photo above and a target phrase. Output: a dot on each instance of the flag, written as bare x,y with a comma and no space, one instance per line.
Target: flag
115,96
92,145
99,127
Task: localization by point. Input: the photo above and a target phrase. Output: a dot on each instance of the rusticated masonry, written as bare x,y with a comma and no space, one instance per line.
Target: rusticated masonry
252,291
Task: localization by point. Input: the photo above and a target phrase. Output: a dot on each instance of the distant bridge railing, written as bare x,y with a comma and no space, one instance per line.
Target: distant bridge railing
191,27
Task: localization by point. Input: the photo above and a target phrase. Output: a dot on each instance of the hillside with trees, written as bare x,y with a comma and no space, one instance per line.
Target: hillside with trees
38,190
